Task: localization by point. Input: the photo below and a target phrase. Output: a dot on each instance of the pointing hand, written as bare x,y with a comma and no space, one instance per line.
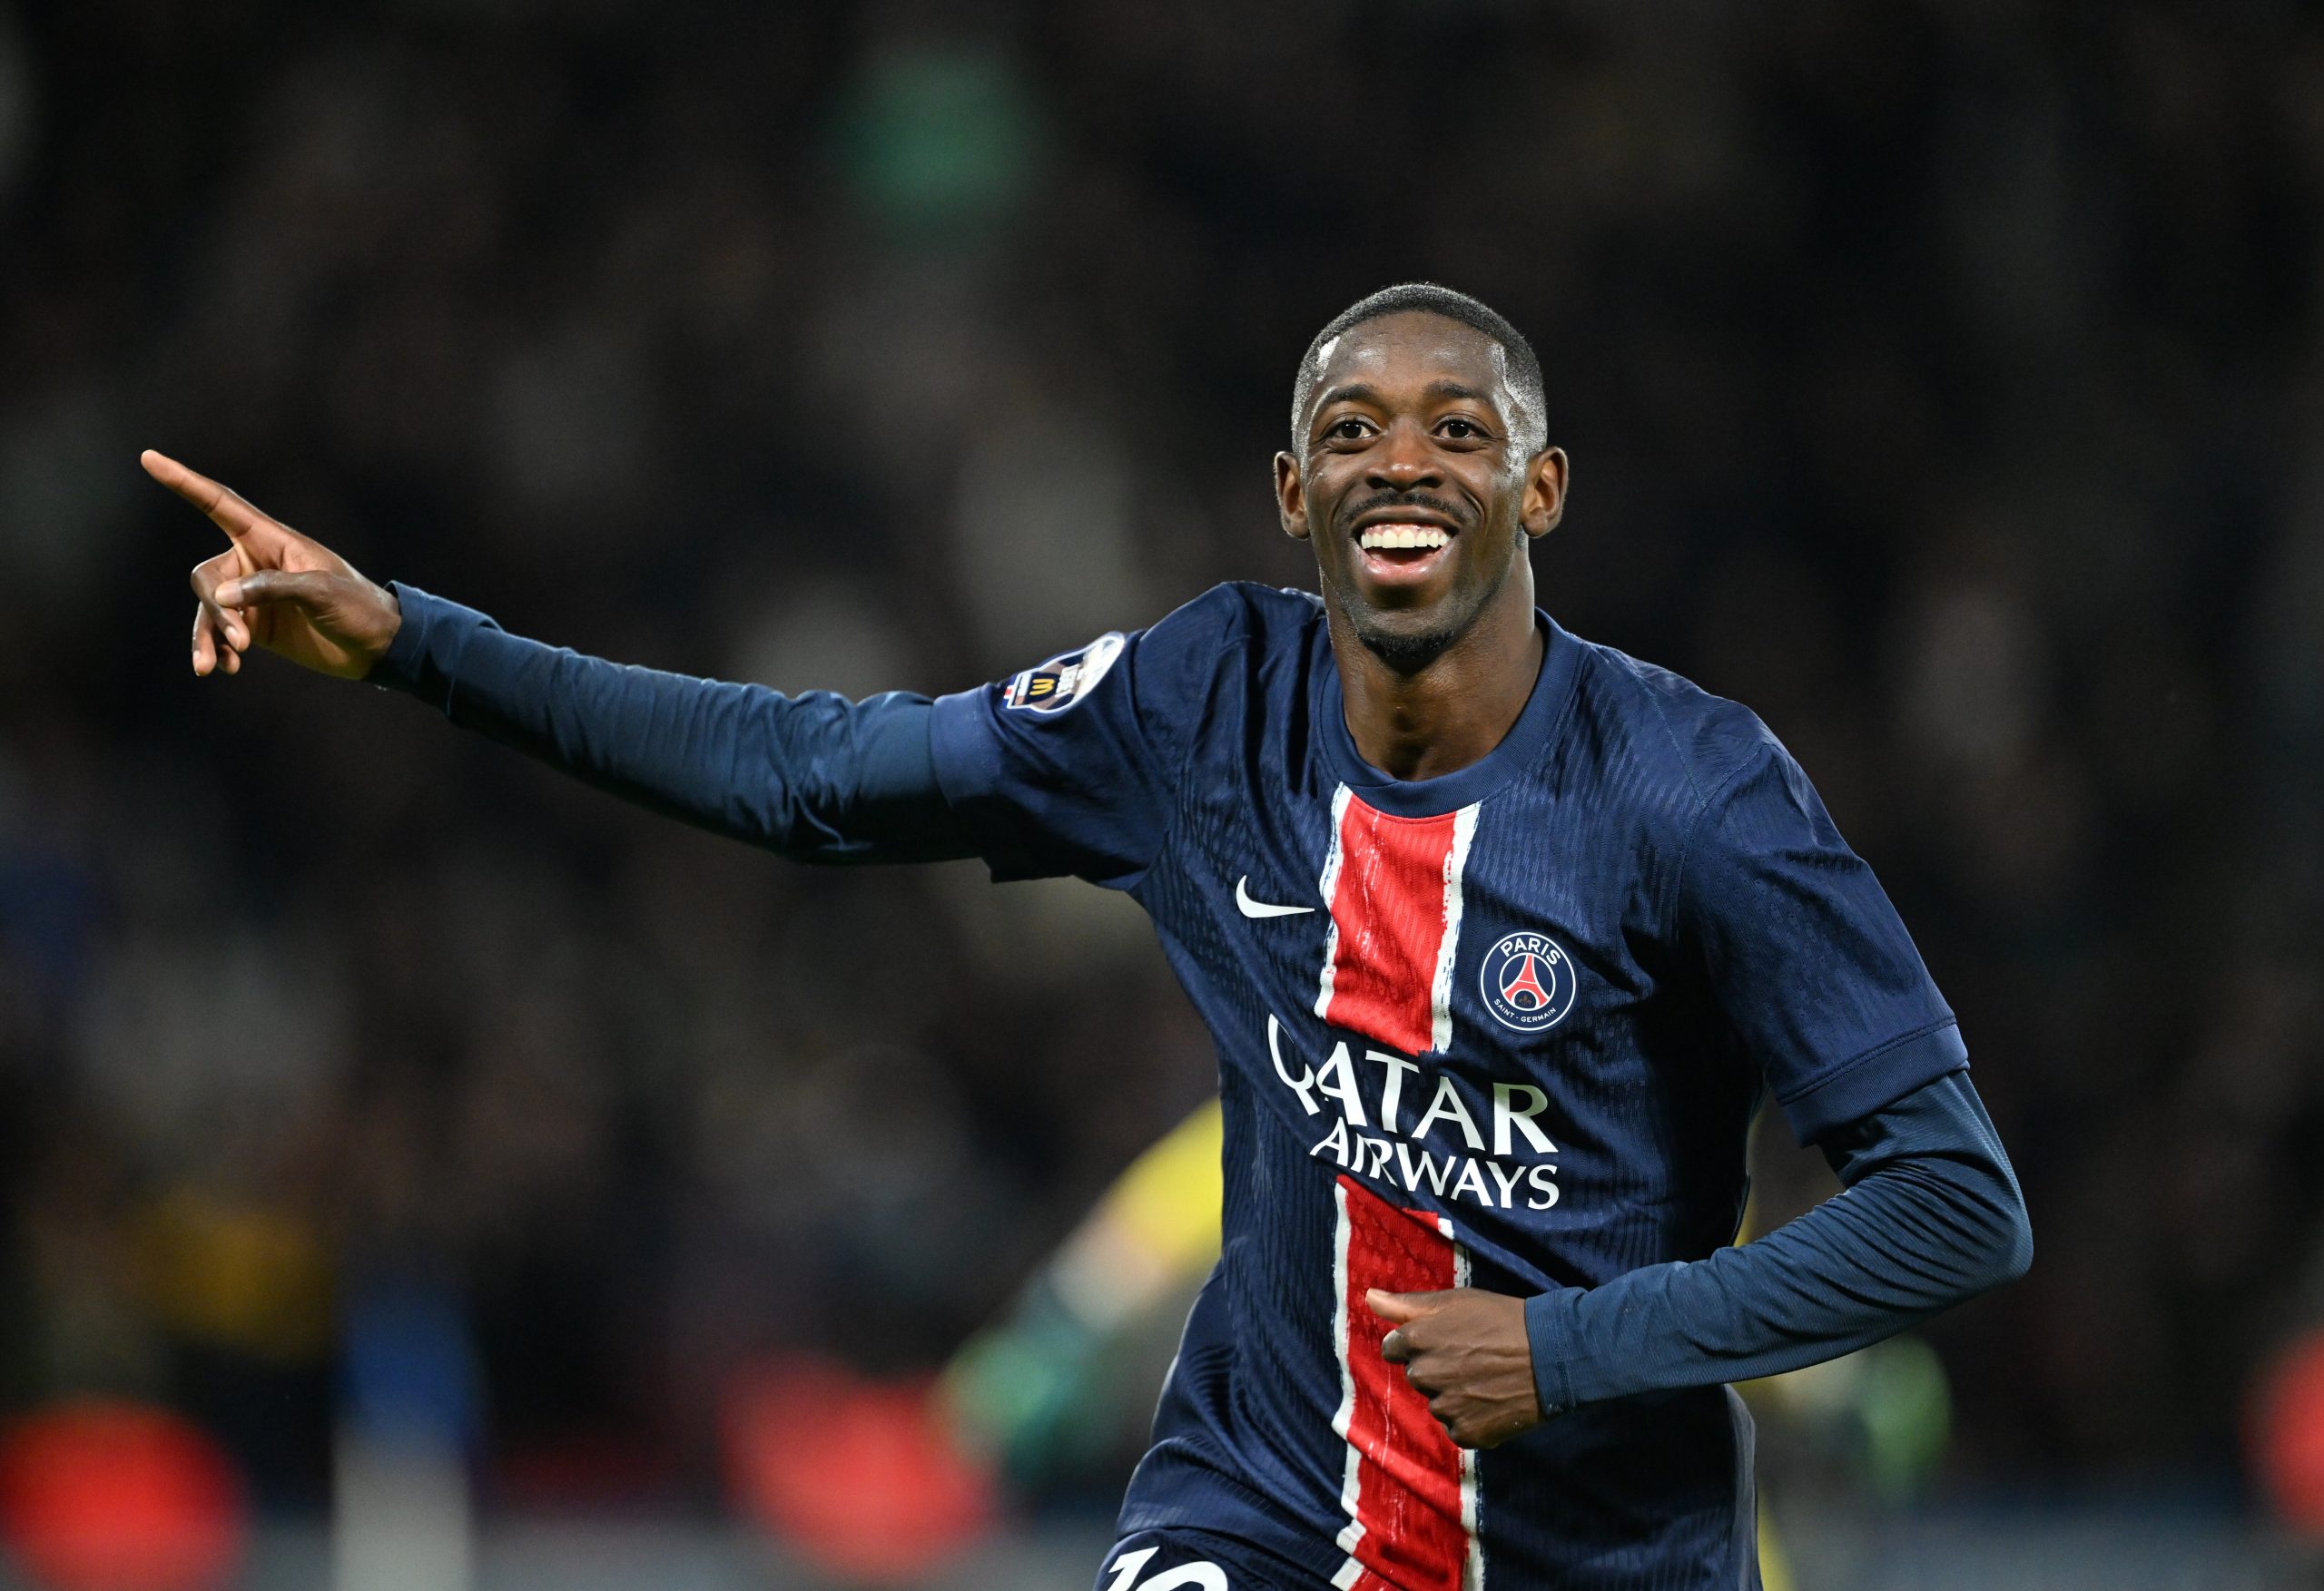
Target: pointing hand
274,588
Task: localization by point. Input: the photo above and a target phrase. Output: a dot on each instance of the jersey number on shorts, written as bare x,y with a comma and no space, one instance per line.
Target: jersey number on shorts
1203,1576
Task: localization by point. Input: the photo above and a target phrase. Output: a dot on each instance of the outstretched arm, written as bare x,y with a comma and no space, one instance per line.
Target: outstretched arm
814,777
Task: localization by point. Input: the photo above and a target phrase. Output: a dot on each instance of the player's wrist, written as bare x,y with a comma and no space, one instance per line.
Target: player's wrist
406,660
392,606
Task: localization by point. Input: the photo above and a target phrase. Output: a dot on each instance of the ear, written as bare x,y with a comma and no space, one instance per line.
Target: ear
1291,496
1545,503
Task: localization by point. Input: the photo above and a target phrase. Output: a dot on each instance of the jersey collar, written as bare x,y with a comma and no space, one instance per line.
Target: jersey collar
1519,749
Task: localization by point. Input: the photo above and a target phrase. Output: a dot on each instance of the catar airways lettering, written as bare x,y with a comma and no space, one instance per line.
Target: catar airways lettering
1483,1176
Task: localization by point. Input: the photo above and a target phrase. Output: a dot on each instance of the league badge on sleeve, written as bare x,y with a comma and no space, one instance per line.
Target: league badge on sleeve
1059,683
1528,982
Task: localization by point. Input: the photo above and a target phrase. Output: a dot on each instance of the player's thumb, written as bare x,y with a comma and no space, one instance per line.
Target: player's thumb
308,588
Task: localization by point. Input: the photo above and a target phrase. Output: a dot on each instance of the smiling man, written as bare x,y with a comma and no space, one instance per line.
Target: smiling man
1501,937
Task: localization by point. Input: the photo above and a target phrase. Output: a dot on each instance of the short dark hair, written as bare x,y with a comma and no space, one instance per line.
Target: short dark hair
1528,430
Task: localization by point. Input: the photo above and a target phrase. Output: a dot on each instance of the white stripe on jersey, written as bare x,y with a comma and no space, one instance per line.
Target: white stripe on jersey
1350,1482
1440,988
1472,1573
1328,887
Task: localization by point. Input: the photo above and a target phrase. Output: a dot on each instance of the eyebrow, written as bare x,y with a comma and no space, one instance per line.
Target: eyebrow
1456,389
1359,392
1353,392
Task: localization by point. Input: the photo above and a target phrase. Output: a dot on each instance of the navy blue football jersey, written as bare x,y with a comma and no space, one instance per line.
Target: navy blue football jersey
1505,1028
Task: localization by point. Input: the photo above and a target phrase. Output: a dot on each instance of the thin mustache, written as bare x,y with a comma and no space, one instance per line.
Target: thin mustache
1350,515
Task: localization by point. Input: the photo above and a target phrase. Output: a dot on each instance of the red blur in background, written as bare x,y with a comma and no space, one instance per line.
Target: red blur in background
2287,1433
861,1475
115,1496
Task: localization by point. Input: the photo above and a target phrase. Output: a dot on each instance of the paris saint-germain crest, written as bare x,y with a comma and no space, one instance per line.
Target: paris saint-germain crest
1528,982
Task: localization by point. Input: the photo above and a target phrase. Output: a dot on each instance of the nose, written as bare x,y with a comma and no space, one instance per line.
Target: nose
1404,461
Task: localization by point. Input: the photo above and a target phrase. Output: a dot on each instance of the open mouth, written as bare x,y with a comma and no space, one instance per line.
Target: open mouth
1402,549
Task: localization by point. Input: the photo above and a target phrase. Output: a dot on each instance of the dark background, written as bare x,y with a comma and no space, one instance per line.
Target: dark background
1943,381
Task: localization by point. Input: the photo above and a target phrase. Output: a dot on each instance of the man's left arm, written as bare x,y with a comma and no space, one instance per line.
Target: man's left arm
1929,1215
1812,977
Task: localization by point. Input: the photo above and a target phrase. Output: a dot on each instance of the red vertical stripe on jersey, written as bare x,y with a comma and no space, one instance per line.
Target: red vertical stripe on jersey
1389,907
1410,1526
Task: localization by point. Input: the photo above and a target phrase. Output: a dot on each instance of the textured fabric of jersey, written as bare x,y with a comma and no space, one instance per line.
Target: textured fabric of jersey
1505,1028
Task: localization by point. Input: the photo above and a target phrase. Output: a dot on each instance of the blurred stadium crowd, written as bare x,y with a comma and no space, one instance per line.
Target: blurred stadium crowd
1946,382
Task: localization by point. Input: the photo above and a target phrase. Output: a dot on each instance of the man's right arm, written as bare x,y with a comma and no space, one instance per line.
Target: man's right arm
814,777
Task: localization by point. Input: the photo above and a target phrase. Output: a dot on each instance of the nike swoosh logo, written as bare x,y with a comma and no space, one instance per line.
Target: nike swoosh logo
1250,907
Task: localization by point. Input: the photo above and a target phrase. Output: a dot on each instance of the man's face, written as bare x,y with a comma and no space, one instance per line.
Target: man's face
1412,490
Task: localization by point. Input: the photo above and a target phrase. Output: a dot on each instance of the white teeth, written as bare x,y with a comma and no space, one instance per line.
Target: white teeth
1388,537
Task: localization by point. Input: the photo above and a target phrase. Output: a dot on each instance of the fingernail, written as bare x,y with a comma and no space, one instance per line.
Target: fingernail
229,594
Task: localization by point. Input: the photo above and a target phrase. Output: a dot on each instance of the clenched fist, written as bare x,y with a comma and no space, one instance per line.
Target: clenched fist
274,588
1466,1351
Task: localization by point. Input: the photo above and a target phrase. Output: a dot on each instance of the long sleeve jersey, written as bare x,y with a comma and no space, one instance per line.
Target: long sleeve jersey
1505,1028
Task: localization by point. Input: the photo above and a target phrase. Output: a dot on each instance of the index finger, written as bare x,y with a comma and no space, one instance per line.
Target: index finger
226,508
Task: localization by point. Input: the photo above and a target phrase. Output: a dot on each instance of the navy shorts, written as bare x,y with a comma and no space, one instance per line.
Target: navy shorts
1177,1559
